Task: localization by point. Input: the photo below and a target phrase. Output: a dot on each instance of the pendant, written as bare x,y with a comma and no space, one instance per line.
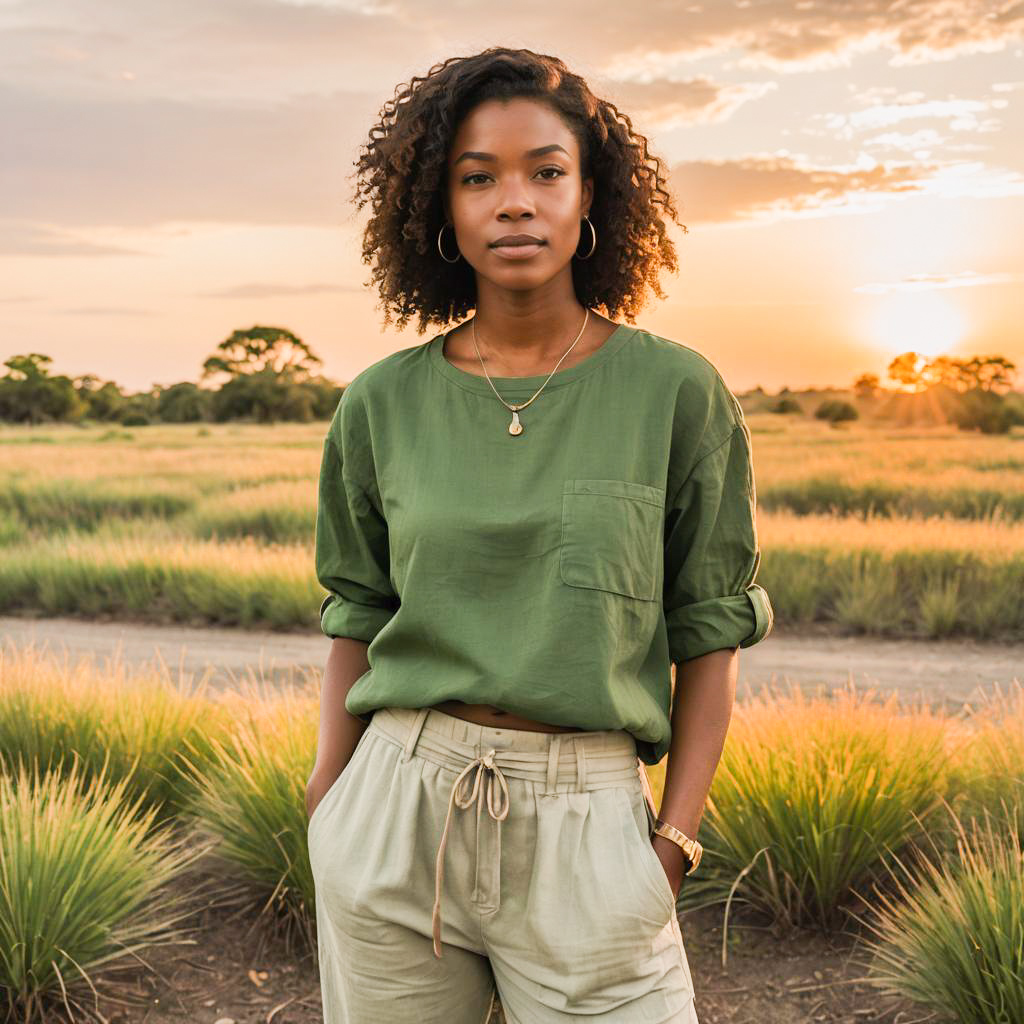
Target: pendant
515,427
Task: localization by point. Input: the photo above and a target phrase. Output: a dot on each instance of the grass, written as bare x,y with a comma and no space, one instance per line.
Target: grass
952,939
81,873
810,794
819,802
215,525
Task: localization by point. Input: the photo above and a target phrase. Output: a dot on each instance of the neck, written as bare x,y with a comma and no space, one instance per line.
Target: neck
530,339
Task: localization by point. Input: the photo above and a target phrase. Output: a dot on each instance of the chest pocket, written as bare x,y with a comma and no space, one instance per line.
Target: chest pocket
612,536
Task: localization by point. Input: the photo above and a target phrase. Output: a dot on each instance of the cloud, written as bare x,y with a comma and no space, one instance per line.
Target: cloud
934,282
19,238
665,104
801,37
106,311
263,290
760,186
142,114
92,161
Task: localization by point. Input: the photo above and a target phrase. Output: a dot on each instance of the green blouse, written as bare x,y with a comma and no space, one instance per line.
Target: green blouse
556,573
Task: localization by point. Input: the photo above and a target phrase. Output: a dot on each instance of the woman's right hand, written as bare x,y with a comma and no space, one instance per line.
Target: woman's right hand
316,788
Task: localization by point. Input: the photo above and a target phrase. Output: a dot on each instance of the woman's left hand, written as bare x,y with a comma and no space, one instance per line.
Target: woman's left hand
673,861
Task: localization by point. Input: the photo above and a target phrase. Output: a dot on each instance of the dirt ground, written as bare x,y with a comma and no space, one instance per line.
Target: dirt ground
949,672
239,972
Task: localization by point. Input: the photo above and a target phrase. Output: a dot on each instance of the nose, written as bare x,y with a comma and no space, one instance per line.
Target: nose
514,200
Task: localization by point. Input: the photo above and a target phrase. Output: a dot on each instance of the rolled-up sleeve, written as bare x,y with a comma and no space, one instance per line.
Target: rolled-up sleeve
712,555
352,550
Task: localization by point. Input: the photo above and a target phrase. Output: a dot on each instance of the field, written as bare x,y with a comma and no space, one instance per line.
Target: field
861,838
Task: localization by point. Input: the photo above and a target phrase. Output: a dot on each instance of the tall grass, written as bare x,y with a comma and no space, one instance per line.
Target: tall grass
952,937
64,504
837,496
134,728
889,591
810,794
991,771
82,871
136,573
281,512
214,525
252,802
815,800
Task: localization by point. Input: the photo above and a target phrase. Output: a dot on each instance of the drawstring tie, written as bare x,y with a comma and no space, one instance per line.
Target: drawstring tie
485,761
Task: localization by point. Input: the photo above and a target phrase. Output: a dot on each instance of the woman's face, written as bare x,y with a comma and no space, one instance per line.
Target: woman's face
514,169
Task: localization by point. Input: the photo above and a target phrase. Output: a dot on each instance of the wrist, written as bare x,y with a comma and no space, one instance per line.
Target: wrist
674,849
689,848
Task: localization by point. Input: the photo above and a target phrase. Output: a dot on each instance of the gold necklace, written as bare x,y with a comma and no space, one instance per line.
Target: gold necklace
515,428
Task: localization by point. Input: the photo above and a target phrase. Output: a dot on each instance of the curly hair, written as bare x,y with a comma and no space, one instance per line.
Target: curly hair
402,172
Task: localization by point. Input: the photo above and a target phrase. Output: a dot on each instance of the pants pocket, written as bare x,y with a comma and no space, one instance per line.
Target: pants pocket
335,788
649,862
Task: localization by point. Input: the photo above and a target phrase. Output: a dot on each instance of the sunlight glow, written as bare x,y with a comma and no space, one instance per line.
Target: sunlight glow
925,322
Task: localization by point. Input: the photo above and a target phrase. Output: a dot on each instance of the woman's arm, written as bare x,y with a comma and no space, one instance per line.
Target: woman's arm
339,731
705,691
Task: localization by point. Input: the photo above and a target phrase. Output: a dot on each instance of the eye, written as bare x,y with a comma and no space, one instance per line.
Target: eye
469,179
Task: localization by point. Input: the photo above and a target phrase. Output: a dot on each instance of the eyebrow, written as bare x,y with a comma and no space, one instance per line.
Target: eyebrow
539,151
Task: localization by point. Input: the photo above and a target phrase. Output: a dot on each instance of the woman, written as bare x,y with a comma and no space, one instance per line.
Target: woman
522,524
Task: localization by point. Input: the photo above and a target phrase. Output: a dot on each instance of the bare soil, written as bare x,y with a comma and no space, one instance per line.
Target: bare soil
239,969
945,672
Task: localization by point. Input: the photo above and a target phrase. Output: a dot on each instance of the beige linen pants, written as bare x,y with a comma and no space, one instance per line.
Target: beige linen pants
539,844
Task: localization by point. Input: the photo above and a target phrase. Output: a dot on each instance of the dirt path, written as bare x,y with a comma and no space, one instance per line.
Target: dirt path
946,672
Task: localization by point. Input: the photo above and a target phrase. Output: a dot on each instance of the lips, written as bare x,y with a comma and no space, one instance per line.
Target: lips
514,240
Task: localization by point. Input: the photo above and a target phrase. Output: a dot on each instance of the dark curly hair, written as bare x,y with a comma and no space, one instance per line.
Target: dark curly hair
402,172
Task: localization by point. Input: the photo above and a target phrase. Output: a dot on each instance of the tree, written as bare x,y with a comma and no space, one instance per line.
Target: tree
183,403
262,348
867,385
906,369
990,373
103,400
28,394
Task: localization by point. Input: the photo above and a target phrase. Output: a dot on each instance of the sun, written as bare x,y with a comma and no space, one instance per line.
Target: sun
925,322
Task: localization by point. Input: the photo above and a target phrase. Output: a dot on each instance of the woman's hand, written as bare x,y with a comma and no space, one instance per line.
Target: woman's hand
673,860
316,789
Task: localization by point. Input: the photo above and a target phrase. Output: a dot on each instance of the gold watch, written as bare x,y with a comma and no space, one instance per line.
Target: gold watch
692,850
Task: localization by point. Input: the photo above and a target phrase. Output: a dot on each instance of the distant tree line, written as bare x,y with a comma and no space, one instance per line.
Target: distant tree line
266,374
974,394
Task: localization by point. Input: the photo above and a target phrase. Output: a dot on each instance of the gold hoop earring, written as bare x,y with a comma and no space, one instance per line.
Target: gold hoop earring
593,242
441,251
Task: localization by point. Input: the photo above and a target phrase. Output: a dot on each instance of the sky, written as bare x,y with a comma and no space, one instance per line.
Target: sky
850,173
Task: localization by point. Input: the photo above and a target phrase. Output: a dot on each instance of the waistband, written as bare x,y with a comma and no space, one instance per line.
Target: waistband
563,762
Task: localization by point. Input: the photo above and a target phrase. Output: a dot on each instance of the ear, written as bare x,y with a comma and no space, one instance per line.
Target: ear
586,197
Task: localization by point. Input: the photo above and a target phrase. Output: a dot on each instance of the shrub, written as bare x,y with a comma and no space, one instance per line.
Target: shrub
809,795
81,878
953,939
252,802
786,405
836,411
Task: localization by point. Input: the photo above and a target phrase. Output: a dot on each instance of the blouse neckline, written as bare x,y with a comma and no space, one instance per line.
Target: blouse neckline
518,385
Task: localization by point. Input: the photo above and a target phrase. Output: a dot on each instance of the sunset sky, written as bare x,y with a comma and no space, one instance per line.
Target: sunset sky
851,173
